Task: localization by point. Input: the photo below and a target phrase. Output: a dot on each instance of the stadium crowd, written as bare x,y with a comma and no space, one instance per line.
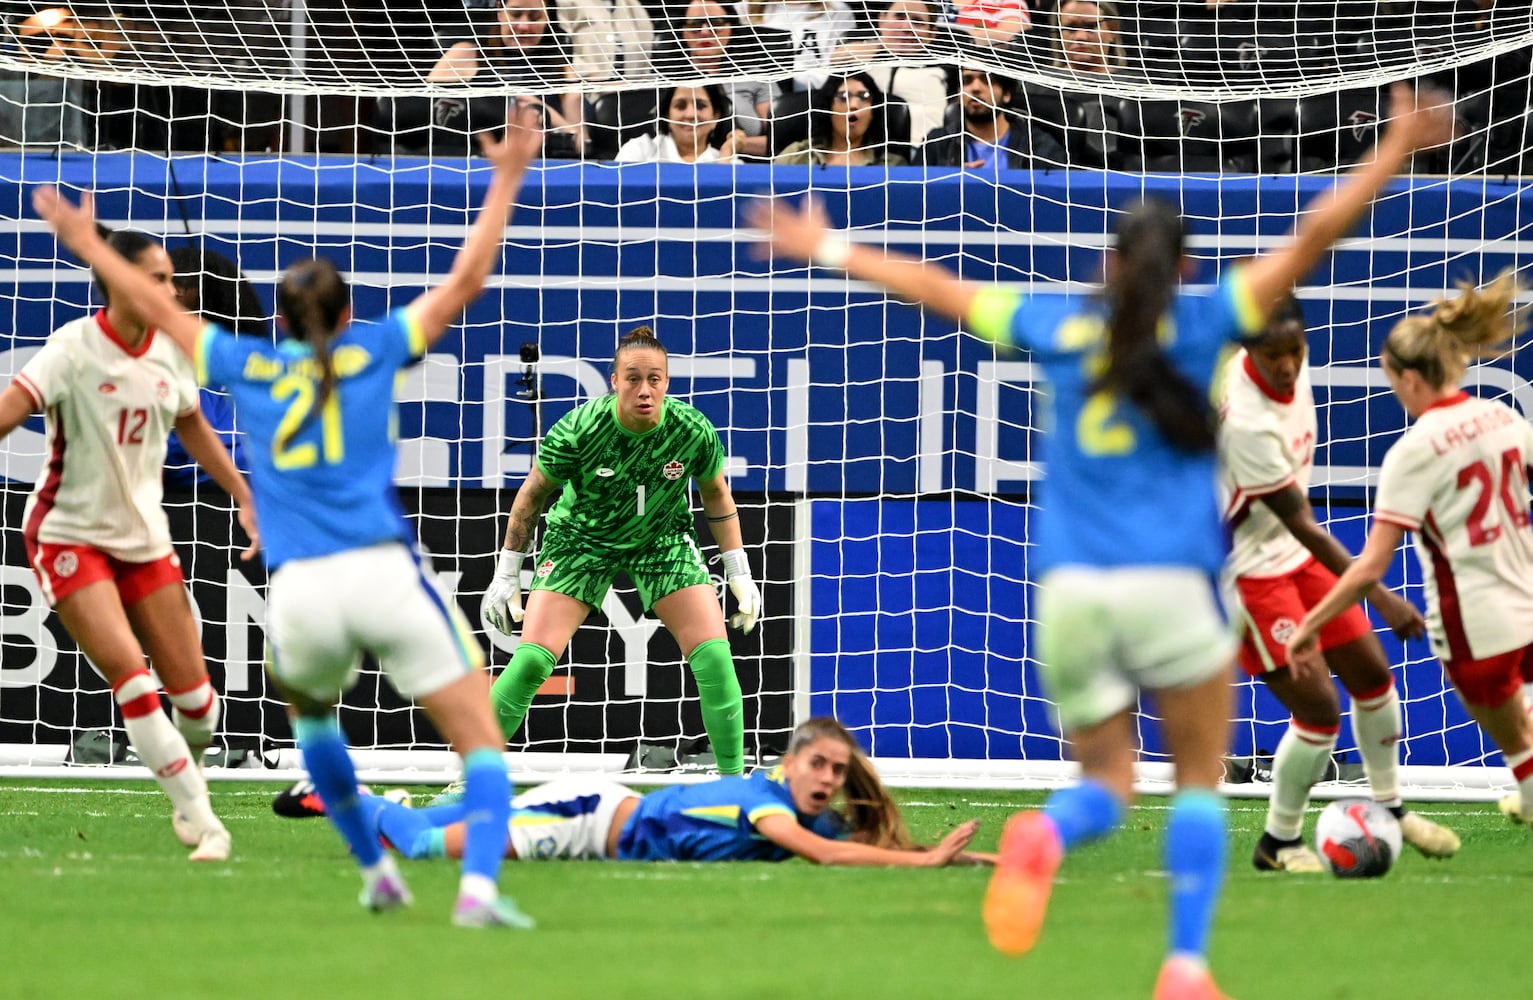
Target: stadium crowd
1101,75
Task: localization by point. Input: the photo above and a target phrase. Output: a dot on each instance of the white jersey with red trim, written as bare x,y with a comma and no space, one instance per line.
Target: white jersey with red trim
1266,444
108,410
1458,479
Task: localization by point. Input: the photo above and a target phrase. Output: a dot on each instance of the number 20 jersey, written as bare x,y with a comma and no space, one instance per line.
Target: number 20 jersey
1458,479
331,487
108,409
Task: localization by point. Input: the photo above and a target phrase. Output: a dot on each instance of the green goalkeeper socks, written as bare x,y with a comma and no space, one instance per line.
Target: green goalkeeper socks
718,690
512,693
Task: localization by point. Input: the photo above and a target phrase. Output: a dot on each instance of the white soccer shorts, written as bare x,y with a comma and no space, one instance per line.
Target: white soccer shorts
568,818
323,613
1105,634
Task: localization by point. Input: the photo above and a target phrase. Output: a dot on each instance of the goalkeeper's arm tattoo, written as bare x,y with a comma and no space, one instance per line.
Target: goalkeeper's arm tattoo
526,509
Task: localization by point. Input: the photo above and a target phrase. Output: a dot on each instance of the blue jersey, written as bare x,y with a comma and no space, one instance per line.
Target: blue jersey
715,821
331,487
1116,493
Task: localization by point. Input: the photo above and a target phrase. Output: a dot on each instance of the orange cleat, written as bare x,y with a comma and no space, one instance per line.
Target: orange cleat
1018,896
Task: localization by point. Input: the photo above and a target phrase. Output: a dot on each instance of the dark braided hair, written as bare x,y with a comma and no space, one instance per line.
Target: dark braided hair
312,297
1139,293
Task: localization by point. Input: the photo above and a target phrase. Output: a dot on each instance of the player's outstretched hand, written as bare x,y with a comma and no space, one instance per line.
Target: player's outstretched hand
74,224
953,844
247,519
1402,617
522,142
792,232
1420,116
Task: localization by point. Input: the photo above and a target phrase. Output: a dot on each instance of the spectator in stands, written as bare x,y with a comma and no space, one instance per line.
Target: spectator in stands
904,31
814,29
1089,42
848,126
514,43
212,286
707,43
986,134
694,127
993,22
610,39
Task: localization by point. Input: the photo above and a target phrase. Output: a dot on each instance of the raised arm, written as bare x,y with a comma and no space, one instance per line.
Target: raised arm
1419,119
804,234
785,832
76,229
438,308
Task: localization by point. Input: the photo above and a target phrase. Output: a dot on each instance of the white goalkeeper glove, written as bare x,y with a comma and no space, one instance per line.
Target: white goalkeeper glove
737,570
503,601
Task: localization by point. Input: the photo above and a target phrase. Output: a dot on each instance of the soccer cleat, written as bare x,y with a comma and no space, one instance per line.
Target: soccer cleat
1432,839
185,831
452,792
1511,807
1273,855
212,845
1018,896
384,888
300,800
1183,979
498,912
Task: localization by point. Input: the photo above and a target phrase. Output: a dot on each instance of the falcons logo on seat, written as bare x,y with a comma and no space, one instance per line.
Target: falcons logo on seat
1362,123
1189,119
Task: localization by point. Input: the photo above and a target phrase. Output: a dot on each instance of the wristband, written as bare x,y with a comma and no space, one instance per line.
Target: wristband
833,251
735,564
509,564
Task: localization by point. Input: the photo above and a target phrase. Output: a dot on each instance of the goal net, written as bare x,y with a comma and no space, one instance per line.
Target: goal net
883,462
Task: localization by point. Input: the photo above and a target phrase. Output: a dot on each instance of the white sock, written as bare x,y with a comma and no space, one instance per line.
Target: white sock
1300,761
163,750
1521,766
196,712
479,887
1376,724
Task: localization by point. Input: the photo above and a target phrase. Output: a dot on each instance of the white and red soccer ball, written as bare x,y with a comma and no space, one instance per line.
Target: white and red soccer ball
1357,838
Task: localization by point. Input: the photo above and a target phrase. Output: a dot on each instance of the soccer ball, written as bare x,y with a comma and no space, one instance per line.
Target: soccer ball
1357,838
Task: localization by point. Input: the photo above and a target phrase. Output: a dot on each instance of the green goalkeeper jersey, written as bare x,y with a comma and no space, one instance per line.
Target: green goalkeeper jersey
625,489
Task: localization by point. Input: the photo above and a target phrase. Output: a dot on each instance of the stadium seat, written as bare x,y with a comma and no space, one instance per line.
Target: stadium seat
790,120
1086,125
1189,136
618,116
1333,130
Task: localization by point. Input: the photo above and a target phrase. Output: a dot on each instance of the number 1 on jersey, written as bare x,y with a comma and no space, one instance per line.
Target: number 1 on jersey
641,500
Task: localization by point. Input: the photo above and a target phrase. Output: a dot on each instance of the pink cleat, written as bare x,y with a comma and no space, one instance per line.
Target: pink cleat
1185,979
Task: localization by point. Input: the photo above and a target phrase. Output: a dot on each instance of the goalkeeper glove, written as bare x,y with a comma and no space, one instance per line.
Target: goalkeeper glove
503,601
737,571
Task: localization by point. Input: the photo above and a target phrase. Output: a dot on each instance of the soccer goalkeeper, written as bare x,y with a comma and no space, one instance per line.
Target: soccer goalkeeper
625,461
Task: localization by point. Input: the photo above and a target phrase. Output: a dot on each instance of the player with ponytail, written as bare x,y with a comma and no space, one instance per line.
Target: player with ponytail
1457,479
1128,540
346,576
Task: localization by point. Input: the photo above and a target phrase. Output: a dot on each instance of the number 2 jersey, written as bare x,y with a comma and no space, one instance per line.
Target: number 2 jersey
1458,479
108,409
625,489
330,488
1116,492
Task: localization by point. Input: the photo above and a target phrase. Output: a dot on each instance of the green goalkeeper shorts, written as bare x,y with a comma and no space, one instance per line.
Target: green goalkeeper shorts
571,566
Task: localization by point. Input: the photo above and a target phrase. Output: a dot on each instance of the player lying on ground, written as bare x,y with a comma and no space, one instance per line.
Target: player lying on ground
824,803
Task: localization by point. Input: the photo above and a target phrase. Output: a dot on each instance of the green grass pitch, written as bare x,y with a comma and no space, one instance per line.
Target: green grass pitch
97,900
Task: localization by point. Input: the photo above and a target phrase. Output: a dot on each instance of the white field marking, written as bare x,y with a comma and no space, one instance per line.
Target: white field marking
98,790
1231,805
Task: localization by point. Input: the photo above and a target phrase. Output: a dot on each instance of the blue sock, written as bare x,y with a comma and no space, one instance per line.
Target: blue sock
1083,812
335,778
1195,857
486,812
406,828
